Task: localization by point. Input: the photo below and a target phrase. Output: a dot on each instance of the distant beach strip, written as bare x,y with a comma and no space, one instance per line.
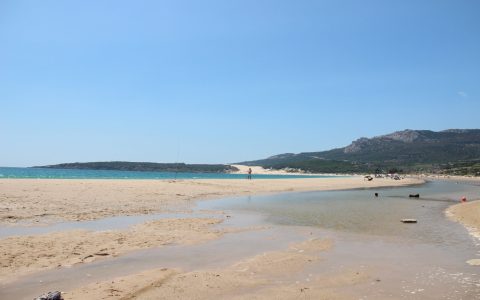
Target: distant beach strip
41,173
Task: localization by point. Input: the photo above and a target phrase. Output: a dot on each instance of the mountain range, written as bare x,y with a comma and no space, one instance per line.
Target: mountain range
453,151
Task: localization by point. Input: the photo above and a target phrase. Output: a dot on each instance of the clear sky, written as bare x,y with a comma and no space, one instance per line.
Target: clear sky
227,81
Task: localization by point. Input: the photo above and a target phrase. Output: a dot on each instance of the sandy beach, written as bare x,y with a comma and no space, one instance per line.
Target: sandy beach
453,178
266,276
54,200
242,169
272,274
26,254
467,213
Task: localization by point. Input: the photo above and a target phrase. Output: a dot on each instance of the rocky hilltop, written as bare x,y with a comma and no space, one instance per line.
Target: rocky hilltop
453,151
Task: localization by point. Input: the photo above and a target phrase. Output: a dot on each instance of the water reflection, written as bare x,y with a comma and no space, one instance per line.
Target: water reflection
359,211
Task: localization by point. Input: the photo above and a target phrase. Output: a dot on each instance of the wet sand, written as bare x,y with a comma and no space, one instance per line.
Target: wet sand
474,180
21,255
467,214
270,275
31,201
54,200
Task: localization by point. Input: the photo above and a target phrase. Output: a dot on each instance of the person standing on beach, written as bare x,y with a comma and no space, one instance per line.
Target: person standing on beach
249,176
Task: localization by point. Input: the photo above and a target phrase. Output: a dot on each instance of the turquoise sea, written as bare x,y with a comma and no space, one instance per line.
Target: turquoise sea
108,174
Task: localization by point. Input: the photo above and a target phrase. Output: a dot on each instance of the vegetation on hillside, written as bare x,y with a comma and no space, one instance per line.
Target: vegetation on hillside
416,151
145,166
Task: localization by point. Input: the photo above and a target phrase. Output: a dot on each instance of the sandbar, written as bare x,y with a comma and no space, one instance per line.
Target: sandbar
468,214
33,202
53,200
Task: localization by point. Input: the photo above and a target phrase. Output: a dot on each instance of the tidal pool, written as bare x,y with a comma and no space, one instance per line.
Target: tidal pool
426,260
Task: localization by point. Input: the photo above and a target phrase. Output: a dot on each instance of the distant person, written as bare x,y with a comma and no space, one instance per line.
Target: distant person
249,176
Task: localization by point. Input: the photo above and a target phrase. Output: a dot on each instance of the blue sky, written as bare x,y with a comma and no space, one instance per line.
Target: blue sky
226,81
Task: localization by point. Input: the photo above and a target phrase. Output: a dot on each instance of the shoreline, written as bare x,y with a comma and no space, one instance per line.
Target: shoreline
453,178
467,214
258,272
44,201
41,202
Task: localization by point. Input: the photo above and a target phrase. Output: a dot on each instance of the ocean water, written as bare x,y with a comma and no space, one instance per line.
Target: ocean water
110,174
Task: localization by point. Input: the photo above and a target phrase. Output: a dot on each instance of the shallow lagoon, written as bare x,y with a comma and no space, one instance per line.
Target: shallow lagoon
426,260
359,211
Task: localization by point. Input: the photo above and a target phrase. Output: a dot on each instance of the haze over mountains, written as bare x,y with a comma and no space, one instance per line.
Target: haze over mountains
453,151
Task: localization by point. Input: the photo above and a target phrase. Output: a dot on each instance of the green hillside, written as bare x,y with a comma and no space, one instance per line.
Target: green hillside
145,166
455,151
